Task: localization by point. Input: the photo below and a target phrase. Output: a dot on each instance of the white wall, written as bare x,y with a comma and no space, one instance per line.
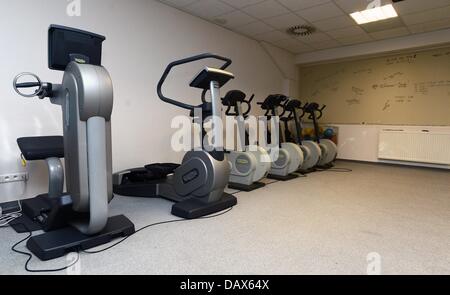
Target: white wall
286,66
142,37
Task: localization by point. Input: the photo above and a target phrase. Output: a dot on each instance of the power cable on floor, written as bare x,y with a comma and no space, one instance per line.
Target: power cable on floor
30,256
152,225
30,234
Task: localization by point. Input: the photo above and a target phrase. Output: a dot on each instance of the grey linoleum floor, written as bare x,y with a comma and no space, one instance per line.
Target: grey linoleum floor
326,223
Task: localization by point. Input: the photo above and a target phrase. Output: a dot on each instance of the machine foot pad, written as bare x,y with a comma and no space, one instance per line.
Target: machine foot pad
282,178
244,187
194,208
59,242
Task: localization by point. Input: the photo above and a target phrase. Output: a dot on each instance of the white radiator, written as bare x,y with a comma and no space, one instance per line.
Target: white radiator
424,146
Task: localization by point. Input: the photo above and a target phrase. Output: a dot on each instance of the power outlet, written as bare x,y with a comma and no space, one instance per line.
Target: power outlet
14,177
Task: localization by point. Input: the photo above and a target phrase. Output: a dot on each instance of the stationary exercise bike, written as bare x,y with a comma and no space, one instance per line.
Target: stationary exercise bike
290,156
197,185
328,147
249,164
311,150
79,219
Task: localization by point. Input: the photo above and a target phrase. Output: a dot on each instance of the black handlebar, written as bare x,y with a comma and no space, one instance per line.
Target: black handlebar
312,108
272,102
248,103
291,106
185,61
28,84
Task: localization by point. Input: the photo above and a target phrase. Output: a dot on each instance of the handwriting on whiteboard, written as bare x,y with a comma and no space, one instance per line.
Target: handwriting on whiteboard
394,75
357,91
442,54
390,85
401,59
424,87
363,71
353,101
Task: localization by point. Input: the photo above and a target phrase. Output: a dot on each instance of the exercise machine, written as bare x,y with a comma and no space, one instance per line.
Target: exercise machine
290,156
197,185
311,150
249,164
78,219
328,147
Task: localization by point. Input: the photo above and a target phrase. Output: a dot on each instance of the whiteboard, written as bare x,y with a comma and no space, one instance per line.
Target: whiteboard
404,89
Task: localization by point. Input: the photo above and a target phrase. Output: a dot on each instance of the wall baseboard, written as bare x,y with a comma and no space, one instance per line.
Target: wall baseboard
396,164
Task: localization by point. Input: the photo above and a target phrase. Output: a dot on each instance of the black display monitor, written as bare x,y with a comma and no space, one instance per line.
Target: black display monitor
68,44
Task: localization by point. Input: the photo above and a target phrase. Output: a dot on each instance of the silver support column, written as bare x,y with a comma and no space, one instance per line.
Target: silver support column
216,114
55,177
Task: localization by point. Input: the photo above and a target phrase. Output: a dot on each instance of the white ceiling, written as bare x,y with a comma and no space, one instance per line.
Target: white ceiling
267,20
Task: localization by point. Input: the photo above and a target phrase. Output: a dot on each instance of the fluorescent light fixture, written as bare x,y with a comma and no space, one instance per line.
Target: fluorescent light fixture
374,14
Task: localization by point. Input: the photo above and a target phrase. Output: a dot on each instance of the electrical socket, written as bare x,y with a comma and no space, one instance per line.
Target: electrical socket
14,177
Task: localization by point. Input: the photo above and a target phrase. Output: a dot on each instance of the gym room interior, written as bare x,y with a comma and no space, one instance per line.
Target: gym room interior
348,163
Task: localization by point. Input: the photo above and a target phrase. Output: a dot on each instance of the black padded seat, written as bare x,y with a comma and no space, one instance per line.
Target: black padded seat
41,147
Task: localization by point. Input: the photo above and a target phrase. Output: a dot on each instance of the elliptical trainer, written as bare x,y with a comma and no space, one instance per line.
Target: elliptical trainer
197,185
290,156
248,166
328,147
311,150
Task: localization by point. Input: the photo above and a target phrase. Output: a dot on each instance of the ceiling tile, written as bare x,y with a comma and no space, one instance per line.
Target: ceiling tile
413,6
234,19
349,40
208,8
392,33
325,44
320,12
293,46
285,21
295,5
178,3
346,32
255,28
240,3
430,26
334,23
266,9
427,16
272,36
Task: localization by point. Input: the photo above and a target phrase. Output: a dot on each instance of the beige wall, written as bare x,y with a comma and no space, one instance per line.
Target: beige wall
405,89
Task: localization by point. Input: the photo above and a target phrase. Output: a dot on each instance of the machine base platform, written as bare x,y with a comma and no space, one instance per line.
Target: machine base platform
193,208
282,178
306,171
326,166
244,187
57,243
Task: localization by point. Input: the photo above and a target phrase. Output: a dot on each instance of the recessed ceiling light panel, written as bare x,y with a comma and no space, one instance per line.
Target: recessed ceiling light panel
374,14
